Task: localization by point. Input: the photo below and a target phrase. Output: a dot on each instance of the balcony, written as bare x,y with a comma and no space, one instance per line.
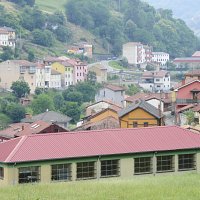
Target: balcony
187,101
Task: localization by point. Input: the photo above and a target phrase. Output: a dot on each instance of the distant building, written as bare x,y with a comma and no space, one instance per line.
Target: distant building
156,81
14,70
100,71
7,37
137,53
160,57
111,92
194,74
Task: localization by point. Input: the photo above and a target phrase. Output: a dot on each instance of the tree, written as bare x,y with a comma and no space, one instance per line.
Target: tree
44,38
72,109
190,116
62,33
31,56
58,101
16,112
41,104
91,77
74,97
8,54
20,88
132,89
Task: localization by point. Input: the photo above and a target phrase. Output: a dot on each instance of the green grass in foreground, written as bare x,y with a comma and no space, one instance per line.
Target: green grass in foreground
164,187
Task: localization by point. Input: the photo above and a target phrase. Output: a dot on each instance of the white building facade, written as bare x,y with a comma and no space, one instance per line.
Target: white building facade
160,57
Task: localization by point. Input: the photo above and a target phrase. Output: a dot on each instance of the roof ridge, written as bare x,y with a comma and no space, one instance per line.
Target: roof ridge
77,132
14,151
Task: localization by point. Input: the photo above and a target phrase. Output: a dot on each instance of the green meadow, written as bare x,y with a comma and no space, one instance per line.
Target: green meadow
51,5
160,187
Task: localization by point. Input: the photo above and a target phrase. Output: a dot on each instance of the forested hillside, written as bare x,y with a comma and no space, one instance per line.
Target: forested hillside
105,24
187,10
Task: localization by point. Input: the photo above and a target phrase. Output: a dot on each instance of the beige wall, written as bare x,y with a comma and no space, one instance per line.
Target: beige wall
10,72
126,164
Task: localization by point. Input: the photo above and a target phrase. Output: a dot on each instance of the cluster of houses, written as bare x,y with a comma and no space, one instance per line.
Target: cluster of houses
118,137
52,72
140,54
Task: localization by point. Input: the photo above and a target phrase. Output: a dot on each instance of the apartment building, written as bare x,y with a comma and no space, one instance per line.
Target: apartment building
14,70
160,57
7,37
137,53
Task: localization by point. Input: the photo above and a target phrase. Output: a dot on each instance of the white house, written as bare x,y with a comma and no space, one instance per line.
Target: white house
7,37
160,57
156,81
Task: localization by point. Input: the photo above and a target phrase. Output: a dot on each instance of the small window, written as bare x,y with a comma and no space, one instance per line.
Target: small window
29,174
146,124
109,168
186,162
165,163
1,173
135,124
86,170
143,165
61,172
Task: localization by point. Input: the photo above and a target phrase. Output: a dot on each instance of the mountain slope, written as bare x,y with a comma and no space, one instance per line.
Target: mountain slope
187,10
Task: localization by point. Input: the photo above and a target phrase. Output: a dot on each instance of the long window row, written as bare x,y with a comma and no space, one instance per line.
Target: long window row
109,168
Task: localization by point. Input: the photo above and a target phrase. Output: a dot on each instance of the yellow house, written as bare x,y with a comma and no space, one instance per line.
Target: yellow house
141,114
108,112
58,67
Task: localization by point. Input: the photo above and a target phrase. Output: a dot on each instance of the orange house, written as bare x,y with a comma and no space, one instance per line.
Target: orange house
141,114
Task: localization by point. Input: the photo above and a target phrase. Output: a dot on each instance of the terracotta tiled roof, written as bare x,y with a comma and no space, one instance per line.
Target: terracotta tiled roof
165,97
185,108
196,108
154,74
114,87
94,143
193,73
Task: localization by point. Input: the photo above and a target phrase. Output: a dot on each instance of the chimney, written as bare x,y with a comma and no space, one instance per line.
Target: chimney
183,82
22,127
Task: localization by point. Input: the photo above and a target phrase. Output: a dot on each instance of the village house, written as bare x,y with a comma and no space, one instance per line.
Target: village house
114,153
156,81
21,129
50,117
7,37
113,93
185,96
100,72
14,70
140,114
194,74
161,101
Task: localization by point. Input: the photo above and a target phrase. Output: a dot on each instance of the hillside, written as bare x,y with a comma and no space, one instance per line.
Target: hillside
105,24
164,187
189,11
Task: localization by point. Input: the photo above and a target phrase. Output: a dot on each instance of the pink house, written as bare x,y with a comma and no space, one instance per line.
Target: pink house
80,70
188,92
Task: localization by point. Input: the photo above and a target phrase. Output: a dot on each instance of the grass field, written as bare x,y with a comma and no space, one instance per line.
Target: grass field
165,187
51,5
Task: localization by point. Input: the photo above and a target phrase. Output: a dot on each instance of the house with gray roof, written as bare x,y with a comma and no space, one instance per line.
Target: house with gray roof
50,116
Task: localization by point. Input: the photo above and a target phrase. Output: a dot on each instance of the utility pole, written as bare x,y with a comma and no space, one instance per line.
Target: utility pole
119,4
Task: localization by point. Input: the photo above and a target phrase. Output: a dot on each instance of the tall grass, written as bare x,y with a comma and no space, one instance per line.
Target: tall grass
167,187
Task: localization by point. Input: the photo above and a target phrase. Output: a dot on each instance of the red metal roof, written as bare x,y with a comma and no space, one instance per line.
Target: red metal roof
98,142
